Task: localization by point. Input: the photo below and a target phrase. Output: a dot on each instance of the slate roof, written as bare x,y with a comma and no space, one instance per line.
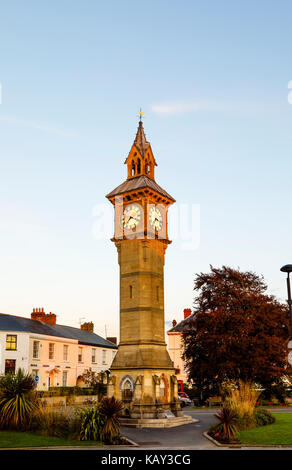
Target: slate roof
139,182
181,326
22,324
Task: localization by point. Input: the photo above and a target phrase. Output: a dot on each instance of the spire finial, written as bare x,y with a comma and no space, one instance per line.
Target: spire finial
141,115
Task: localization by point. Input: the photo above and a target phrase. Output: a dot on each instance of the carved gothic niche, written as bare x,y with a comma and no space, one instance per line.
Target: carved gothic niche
139,387
127,387
139,380
174,387
156,384
156,379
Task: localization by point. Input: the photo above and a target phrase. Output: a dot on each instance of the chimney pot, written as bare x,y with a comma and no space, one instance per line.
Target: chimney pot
87,326
112,339
187,312
40,315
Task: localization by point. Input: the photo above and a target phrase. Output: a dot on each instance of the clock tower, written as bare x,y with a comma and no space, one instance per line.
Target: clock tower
142,374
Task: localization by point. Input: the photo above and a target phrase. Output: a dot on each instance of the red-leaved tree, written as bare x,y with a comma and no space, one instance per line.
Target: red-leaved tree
237,331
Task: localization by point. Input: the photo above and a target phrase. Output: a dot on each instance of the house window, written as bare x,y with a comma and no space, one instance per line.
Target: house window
64,379
51,350
35,349
65,352
157,293
10,366
103,356
131,292
93,355
11,342
80,354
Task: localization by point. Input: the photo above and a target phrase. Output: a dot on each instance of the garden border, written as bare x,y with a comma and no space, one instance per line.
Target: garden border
239,445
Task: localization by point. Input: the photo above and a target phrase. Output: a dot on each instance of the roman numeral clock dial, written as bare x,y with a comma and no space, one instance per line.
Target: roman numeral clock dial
131,217
155,218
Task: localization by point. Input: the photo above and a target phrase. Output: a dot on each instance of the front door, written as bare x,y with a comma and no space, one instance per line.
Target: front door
10,366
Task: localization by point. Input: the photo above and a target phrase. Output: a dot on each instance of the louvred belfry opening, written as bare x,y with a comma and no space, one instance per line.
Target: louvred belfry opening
140,173
140,160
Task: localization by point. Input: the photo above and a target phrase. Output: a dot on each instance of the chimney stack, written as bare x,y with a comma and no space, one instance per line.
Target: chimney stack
40,315
187,312
87,326
112,339
174,322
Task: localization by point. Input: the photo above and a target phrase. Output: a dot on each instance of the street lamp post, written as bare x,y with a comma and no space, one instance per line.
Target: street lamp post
288,269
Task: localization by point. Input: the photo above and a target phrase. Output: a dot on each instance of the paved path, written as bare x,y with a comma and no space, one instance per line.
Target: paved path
188,436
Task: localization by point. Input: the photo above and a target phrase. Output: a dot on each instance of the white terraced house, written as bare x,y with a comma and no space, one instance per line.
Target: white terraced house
57,355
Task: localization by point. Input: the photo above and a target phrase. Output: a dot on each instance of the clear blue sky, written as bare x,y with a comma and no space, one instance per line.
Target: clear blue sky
212,78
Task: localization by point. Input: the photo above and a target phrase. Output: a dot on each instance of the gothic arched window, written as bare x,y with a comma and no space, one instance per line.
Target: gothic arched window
133,168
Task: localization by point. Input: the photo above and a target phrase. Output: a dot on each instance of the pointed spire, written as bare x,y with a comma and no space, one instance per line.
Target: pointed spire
140,140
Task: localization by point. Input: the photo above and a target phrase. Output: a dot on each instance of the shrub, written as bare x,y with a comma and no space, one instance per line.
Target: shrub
278,391
263,417
242,401
17,400
50,422
111,409
226,428
66,391
91,424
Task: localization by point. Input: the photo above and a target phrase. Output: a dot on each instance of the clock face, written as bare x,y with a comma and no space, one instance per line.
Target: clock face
131,216
155,218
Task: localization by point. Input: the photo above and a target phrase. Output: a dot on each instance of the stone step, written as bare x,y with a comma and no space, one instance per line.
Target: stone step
157,423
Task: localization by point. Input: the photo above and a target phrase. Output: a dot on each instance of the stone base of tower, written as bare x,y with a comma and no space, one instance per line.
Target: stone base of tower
149,396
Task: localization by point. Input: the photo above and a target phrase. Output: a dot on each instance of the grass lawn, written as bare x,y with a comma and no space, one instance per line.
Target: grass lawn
279,433
30,439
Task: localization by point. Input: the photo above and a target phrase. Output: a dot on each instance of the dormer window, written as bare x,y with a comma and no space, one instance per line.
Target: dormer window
139,166
133,168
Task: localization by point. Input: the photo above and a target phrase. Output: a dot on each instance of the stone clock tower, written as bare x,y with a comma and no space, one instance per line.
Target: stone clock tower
142,373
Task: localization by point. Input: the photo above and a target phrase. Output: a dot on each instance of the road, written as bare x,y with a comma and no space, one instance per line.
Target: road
188,436
182,437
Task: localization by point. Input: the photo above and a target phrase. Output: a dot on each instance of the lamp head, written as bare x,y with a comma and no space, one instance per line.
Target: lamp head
287,268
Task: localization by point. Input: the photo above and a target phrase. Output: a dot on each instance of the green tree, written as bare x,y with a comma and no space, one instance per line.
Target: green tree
96,380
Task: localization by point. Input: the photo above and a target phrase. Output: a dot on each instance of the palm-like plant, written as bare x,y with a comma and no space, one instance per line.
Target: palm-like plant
111,409
17,399
227,424
91,424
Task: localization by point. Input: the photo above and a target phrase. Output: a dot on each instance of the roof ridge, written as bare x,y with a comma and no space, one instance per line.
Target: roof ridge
54,329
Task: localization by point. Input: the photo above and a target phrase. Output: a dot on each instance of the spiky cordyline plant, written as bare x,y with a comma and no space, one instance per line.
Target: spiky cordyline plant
227,423
111,409
17,400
